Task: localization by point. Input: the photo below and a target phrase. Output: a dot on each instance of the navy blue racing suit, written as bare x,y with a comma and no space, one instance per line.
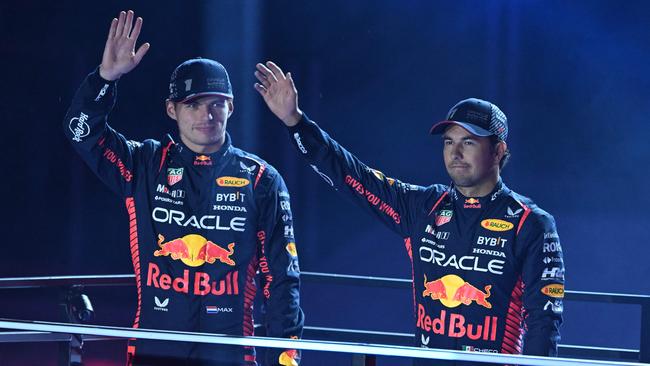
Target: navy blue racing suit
201,227
488,274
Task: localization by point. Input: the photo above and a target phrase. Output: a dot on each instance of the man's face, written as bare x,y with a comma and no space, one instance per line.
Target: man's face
471,161
202,122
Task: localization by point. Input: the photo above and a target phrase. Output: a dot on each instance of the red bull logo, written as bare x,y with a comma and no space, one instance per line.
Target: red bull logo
456,326
472,203
201,285
202,160
194,250
436,289
452,291
288,358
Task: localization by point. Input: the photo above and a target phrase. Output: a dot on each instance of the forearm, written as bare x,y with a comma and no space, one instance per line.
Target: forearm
85,120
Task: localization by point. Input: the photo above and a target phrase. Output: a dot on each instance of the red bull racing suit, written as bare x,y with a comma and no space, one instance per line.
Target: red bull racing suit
201,227
488,274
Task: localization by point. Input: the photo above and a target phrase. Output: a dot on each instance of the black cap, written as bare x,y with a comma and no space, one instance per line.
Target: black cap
479,117
199,77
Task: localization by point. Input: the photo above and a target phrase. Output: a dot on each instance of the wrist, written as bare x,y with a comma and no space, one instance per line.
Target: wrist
108,76
293,119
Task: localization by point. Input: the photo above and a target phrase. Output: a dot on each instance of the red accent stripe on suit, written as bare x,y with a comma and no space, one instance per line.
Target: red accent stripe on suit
249,296
513,334
259,175
437,202
135,254
527,211
165,150
409,250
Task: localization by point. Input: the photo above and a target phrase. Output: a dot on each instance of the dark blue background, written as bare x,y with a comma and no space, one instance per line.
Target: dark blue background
572,78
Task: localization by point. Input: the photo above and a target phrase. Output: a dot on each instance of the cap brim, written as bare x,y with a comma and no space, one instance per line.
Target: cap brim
200,95
440,127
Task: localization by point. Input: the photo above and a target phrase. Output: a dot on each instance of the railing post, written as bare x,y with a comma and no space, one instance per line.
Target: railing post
371,360
358,360
364,360
64,354
644,347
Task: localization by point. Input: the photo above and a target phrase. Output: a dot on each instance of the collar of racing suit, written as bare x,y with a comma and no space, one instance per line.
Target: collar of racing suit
499,189
197,158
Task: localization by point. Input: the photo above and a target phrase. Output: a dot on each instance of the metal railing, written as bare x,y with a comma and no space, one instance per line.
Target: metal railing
350,335
304,344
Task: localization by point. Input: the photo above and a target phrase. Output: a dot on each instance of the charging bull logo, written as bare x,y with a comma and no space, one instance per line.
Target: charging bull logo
452,291
288,358
202,160
436,289
194,250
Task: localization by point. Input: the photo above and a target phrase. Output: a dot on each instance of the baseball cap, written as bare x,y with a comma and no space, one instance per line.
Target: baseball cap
199,77
479,117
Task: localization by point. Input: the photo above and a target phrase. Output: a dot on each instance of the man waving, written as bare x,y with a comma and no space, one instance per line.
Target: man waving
488,274
204,215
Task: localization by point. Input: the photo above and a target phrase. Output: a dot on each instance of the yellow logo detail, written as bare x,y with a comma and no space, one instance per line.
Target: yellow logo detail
497,225
288,358
291,248
232,182
555,290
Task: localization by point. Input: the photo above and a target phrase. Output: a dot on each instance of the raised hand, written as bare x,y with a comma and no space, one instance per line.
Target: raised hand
279,92
119,53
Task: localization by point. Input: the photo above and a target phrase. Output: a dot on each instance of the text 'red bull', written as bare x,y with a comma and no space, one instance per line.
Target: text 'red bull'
455,326
202,284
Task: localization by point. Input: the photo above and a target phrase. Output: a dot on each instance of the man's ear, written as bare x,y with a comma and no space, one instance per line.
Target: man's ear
231,107
500,150
170,107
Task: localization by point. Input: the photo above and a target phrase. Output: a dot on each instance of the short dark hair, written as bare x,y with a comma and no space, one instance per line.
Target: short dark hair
494,140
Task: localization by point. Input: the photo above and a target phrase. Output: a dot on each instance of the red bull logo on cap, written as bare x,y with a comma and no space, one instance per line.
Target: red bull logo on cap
194,250
452,291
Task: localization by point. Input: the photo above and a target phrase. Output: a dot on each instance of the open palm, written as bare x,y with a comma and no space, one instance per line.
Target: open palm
279,92
120,56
